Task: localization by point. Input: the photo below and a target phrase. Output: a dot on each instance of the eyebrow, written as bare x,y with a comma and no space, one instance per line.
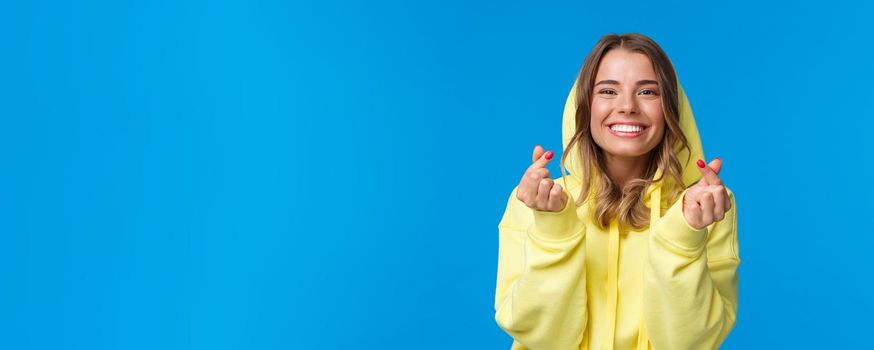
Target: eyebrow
614,82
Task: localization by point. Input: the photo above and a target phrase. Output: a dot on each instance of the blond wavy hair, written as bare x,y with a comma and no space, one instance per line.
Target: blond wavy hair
627,203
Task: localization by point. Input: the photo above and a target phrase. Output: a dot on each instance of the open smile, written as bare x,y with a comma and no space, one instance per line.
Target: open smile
627,130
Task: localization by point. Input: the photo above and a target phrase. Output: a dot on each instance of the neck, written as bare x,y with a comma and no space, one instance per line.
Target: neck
621,169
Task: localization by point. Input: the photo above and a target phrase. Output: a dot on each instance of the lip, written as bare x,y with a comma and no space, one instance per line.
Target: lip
627,123
627,135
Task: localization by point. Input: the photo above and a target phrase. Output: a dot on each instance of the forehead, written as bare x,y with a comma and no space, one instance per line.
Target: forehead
622,65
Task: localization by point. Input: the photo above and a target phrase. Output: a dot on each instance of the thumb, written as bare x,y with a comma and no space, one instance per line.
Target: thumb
538,151
709,172
716,165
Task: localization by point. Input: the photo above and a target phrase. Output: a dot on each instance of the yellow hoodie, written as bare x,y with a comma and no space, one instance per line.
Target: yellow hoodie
564,283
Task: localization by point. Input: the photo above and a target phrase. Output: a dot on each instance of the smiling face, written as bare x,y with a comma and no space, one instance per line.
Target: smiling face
627,116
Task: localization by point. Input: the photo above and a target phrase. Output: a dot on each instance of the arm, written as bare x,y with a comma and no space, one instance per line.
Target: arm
540,297
690,282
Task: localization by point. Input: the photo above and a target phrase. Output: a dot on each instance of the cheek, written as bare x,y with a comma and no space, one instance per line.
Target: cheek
653,109
658,131
599,112
656,117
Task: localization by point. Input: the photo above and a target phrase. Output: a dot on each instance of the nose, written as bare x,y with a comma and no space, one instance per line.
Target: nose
627,104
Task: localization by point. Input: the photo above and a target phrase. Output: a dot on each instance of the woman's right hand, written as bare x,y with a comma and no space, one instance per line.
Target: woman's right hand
537,190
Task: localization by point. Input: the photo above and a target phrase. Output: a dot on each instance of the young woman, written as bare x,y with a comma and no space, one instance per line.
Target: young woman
646,256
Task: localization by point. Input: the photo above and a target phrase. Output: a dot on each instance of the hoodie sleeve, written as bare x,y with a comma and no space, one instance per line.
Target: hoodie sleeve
540,297
690,282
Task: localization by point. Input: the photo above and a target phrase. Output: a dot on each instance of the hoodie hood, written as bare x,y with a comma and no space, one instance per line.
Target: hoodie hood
653,196
691,174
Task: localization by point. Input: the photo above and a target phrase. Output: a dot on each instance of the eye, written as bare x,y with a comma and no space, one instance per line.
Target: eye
607,92
648,92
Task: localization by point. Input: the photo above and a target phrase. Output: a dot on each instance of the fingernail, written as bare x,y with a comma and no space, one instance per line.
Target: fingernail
701,164
717,158
548,155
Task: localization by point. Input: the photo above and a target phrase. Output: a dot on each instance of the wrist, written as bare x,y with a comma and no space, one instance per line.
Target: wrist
675,227
558,225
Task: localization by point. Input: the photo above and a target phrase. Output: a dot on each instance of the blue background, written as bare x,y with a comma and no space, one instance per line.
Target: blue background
265,175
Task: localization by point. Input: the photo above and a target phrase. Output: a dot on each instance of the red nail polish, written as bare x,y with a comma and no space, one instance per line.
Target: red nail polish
701,164
548,155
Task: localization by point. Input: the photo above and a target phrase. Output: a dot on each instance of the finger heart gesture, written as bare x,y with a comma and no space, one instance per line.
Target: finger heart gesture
707,201
536,189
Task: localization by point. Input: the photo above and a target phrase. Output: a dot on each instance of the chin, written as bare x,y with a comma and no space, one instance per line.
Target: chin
628,152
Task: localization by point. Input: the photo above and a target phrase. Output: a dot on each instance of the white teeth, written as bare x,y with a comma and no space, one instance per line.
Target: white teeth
626,128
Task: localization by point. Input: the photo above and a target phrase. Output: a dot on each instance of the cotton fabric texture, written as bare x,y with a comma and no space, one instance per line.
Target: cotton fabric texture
564,283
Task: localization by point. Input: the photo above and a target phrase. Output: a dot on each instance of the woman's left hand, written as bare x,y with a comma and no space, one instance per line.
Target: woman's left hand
707,201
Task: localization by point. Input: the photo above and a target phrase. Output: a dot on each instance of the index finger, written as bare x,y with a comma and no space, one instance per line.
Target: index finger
542,161
708,172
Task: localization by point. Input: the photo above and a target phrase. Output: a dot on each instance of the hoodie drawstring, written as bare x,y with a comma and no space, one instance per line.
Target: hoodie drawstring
613,273
612,283
655,213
